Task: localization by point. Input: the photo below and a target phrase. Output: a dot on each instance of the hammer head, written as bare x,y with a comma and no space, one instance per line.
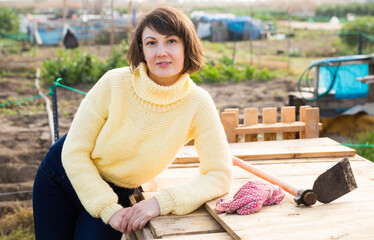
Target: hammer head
335,182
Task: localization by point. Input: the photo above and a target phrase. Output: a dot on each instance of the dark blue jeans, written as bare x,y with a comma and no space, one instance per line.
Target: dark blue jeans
58,213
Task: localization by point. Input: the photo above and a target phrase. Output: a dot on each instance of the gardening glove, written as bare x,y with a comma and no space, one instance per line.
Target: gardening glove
250,198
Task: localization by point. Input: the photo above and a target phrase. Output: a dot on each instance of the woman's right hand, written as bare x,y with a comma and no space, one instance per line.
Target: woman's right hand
116,220
127,220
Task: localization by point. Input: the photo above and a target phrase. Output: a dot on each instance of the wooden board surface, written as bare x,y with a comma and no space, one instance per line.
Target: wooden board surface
349,217
286,149
184,225
207,236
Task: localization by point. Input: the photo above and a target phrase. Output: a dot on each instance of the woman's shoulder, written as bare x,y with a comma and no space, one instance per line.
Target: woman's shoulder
119,73
200,93
116,77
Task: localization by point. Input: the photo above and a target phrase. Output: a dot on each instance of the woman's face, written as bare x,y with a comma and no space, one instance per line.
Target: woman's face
164,56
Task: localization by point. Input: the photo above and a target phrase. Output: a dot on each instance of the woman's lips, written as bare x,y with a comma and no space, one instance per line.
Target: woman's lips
163,64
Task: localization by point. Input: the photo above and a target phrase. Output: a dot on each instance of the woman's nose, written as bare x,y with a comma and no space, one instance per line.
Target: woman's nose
161,51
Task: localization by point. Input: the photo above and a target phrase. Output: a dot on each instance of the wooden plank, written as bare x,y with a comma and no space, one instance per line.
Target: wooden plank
273,128
302,173
288,115
143,234
351,214
312,123
184,225
352,62
269,115
250,118
370,95
228,120
236,111
302,119
367,79
208,236
298,148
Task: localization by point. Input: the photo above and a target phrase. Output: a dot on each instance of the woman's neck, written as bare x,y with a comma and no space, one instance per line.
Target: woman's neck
164,81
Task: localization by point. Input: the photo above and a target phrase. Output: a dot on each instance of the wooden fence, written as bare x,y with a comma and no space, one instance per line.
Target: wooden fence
251,130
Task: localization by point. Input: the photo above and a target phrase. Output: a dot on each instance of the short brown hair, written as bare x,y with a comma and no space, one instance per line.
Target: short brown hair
168,21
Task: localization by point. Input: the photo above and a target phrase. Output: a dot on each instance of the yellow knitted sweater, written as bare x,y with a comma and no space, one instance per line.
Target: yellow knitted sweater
128,129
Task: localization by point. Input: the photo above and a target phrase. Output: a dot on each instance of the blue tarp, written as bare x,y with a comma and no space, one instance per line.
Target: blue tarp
51,32
346,85
236,25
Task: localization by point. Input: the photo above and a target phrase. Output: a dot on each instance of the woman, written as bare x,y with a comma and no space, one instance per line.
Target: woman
126,131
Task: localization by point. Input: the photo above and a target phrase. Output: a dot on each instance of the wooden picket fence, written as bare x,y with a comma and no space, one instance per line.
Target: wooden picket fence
308,126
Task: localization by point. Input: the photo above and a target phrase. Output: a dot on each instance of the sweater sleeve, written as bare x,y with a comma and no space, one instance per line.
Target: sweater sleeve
215,176
95,194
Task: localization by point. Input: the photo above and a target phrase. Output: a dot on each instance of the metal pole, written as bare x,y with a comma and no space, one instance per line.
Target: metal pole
55,112
359,43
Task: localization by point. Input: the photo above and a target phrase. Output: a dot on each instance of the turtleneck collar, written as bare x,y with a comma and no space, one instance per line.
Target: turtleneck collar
152,93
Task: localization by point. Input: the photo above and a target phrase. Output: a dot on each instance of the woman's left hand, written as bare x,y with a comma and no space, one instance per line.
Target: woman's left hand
138,215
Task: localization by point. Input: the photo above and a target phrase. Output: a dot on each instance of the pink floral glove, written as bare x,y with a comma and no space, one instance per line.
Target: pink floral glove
251,197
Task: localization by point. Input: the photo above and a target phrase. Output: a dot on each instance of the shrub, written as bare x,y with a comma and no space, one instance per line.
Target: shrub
248,72
196,77
225,70
9,22
341,10
351,30
262,75
231,73
210,73
74,66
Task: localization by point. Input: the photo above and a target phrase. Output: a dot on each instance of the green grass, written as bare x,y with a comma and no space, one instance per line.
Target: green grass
366,138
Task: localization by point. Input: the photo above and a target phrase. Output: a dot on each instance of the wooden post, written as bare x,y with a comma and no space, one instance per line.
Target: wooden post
250,118
288,115
228,120
64,13
236,111
131,20
311,123
112,27
370,95
316,80
269,115
302,118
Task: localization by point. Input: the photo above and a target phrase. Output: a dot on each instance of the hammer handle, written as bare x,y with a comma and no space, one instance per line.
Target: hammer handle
264,175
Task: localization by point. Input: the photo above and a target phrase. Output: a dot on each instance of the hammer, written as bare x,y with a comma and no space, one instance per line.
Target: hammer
330,185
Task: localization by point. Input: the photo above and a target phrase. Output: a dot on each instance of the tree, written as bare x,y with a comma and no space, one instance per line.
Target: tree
9,22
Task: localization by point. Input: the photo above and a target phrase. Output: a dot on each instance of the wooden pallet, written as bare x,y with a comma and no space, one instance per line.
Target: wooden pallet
308,126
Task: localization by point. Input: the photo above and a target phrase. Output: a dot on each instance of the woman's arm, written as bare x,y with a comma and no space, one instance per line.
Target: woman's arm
215,168
95,194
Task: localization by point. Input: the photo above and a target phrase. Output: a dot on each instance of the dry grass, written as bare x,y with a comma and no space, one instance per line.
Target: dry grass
17,225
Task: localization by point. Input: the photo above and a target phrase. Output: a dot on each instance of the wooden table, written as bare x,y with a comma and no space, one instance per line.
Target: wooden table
297,161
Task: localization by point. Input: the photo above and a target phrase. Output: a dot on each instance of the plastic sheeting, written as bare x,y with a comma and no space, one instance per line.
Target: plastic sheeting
345,85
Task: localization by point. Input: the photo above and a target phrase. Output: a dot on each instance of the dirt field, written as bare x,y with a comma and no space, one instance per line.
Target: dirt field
25,135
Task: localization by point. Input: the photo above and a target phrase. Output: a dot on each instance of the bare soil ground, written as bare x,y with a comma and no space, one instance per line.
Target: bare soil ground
25,135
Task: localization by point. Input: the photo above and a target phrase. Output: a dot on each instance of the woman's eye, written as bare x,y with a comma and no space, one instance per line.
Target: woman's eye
150,43
172,41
